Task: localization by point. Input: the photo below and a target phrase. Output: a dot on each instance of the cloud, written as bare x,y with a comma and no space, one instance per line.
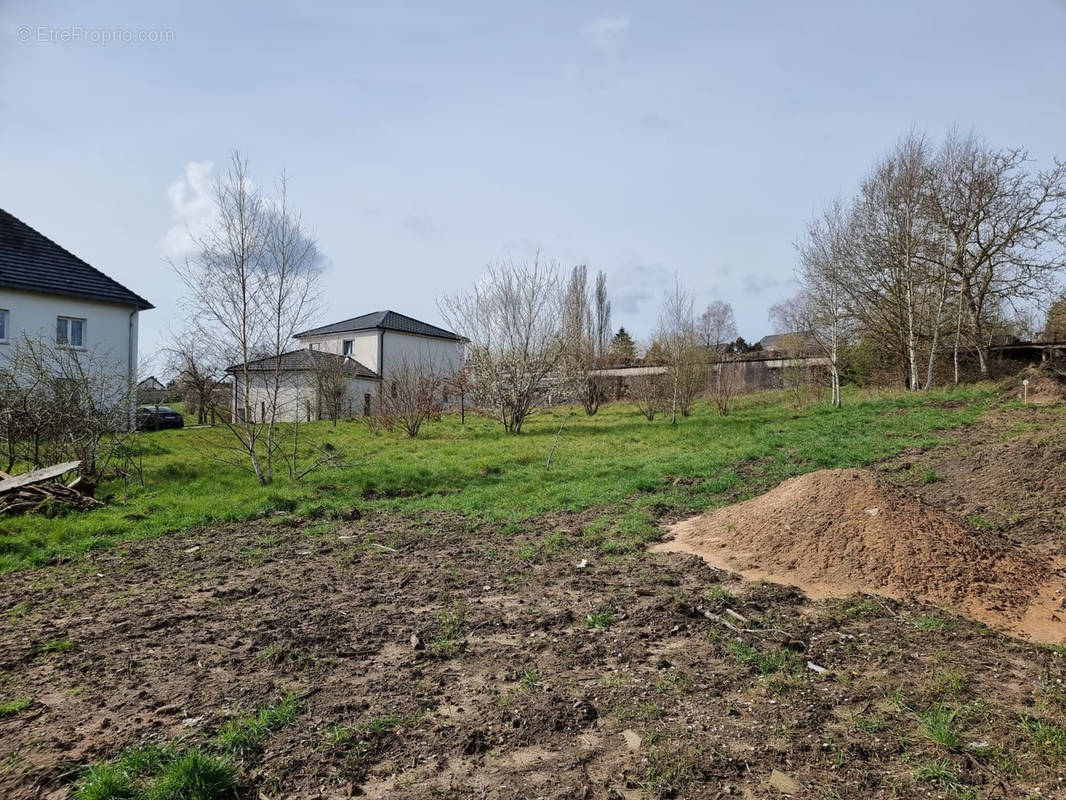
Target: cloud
760,284
607,34
637,289
192,206
419,226
653,122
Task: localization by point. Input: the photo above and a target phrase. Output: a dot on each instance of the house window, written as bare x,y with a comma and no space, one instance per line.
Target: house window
70,331
366,404
347,344
3,324
311,346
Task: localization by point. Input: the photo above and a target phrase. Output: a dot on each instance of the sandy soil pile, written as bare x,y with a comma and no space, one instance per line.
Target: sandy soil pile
836,532
1046,386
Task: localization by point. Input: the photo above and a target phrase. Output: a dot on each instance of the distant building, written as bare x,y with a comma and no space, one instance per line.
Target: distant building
361,352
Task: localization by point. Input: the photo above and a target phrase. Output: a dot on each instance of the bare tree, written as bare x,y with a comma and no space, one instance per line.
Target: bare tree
332,378
897,237
686,365
1003,231
199,373
717,325
60,404
724,382
252,282
460,382
603,318
290,296
946,246
513,320
820,311
582,319
411,395
649,391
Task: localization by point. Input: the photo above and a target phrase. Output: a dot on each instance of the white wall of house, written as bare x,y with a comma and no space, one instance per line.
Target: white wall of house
394,348
442,356
110,330
364,346
298,399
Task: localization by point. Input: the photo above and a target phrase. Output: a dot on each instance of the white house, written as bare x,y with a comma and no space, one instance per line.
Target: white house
48,293
362,352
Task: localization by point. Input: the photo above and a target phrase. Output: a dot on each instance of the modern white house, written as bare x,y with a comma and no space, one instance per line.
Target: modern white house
362,353
49,294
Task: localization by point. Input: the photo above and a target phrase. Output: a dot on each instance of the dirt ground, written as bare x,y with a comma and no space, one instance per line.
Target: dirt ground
511,672
1005,475
835,532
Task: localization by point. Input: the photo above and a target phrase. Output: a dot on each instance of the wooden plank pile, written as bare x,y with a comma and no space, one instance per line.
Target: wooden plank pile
42,489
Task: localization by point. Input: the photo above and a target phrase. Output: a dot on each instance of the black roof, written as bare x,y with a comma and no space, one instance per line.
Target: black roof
307,360
32,262
384,320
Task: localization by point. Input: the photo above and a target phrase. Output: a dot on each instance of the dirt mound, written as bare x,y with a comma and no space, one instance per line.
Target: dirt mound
836,532
1047,387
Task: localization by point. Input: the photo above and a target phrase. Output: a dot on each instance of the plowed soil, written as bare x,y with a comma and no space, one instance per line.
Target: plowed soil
836,532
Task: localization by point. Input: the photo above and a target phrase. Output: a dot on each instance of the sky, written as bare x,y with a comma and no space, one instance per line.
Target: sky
424,141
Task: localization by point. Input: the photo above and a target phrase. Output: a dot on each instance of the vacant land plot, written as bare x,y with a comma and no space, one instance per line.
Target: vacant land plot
474,469
481,628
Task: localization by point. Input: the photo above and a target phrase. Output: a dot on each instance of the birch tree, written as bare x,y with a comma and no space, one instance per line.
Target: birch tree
251,281
819,311
677,334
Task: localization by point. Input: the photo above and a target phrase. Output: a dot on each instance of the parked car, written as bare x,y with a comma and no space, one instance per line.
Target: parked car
154,418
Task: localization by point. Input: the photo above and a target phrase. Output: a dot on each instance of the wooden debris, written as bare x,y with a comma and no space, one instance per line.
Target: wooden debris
38,489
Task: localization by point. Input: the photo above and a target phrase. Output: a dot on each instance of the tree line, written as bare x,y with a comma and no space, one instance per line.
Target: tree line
942,248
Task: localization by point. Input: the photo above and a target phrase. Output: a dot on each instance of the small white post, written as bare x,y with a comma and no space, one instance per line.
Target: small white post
1025,391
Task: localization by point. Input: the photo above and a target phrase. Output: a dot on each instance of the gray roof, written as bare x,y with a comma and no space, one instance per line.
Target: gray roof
386,321
308,360
31,262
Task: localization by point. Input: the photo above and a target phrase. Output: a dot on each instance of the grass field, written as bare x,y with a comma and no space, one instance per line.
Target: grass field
635,470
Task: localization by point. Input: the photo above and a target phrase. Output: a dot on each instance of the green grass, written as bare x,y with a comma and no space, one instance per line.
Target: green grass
931,476
933,622
939,725
448,635
601,618
160,773
717,595
10,707
941,774
614,459
105,782
1047,738
244,734
369,731
775,659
